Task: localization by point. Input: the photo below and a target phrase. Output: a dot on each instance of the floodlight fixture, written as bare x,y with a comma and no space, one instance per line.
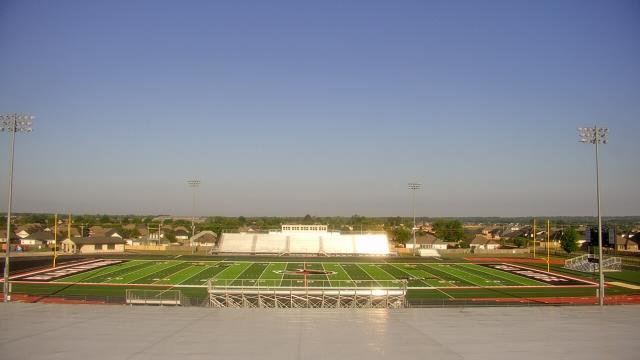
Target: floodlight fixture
12,123
597,135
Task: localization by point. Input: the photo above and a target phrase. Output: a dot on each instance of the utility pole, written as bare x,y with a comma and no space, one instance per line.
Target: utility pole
55,239
194,185
597,136
548,244
69,228
413,187
12,123
534,238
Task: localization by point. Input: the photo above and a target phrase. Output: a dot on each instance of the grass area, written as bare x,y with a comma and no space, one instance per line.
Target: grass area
425,280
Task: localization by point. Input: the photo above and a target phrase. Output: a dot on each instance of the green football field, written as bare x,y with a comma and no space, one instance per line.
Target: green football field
426,282
237,273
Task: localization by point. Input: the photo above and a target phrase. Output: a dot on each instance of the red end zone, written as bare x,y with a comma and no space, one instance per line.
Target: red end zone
548,278
517,260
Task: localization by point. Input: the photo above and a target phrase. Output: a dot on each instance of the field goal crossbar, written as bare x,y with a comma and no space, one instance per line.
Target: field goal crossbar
246,293
154,297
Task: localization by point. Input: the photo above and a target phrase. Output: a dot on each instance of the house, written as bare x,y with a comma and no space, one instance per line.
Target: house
38,239
25,230
3,238
138,230
427,241
143,229
147,240
524,231
482,243
181,234
93,245
204,238
627,242
97,231
64,230
491,232
112,233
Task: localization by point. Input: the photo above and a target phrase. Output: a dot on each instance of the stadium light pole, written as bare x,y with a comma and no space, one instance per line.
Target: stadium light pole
413,187
595,135
193,184
12,123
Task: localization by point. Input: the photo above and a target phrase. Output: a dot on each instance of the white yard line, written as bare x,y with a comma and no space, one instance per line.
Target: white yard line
130,263
373,278
418,288
160,269
484,281
198,273
502,277
170,275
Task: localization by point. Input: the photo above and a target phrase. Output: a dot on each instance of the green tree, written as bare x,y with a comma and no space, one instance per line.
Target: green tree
401,235
449,230
520,241
170,235
569,240
134,233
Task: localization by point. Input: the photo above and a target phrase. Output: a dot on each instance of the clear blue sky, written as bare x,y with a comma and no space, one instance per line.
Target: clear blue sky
325,107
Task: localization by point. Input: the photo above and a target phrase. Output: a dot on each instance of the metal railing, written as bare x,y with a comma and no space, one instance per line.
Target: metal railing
309,283
154,297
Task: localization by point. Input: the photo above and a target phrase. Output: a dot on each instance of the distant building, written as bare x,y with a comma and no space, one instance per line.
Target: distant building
112,233
427,241
296,228
204,238
22,231
38,239
93,245
148,241
482,243
627,242
181,234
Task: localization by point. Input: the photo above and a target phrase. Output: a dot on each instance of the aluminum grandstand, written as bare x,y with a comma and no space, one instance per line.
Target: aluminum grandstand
304,240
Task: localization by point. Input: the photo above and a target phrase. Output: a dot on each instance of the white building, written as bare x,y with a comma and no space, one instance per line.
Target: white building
482,243
93,245
305,240
204,238
427,241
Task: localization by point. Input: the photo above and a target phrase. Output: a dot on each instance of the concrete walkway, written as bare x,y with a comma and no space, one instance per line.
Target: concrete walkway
48,331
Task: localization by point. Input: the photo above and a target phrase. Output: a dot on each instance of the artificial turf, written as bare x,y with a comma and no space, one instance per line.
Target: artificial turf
426,281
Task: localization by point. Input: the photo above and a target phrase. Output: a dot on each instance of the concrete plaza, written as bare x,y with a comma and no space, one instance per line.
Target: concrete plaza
51,331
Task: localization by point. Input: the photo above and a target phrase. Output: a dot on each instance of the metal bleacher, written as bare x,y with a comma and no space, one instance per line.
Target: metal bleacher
590,263
304,243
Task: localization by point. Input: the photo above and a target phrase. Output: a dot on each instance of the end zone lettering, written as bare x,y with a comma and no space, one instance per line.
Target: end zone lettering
551,279
61,272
